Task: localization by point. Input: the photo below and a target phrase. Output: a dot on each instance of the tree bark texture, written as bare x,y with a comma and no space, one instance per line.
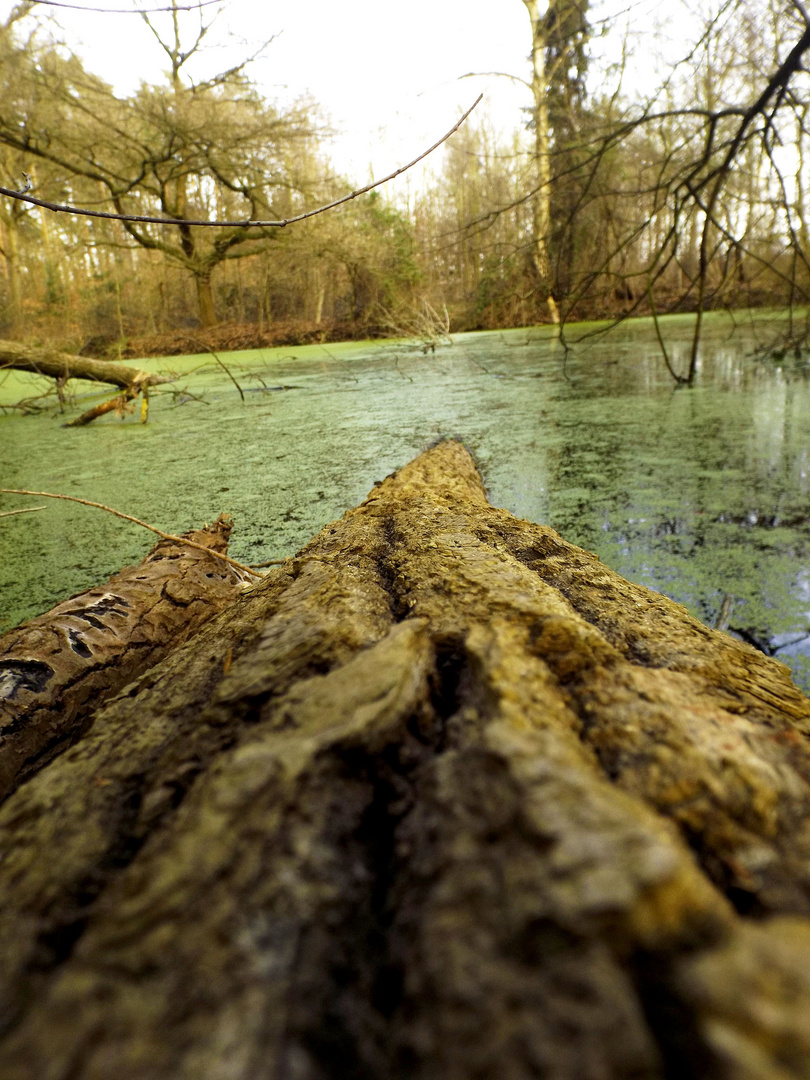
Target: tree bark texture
57,669
205,300
442,797
59,365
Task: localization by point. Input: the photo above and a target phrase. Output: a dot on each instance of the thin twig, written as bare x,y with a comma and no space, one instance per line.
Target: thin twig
27,510
207,348
137,521
243,224
340,359
679,379
127,11
228,372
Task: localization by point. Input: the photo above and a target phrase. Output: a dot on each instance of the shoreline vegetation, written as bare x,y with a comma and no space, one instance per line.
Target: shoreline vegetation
236,336
26,389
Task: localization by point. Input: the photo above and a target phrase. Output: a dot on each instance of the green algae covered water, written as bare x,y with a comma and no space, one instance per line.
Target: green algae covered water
699,493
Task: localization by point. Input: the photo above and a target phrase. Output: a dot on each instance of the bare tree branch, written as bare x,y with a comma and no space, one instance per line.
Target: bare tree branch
274,224
126,11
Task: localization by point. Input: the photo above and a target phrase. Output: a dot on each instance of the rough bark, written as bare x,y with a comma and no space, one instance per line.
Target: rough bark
10,251
59,365
57,669
442,797
205,300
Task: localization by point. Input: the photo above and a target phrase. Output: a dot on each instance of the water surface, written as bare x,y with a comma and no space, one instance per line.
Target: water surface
698,493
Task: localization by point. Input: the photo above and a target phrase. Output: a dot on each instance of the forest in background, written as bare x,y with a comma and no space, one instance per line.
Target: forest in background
602,201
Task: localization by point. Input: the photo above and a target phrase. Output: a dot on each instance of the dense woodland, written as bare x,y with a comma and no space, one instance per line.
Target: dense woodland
606,198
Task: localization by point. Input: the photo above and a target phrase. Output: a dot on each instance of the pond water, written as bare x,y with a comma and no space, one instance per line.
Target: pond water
699,493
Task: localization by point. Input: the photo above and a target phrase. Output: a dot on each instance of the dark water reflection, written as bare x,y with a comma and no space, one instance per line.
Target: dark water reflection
698,493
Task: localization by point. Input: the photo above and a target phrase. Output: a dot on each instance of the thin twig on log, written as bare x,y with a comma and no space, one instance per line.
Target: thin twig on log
25,510
136,521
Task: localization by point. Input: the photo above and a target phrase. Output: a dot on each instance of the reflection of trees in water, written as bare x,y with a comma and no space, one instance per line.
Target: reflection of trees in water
695,495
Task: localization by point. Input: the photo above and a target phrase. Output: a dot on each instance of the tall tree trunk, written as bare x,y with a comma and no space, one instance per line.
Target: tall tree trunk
541,199
205,300
442,797
11,253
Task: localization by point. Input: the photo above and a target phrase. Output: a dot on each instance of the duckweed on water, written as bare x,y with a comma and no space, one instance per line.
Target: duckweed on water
697,493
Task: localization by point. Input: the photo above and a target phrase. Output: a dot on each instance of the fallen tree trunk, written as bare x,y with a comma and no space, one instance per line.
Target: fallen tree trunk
58,668
62,366
442,797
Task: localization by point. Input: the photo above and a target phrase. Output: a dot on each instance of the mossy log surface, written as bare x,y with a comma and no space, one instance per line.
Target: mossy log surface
442,797
57,669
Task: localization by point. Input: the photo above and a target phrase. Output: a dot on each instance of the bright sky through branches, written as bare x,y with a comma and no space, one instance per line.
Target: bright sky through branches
387,76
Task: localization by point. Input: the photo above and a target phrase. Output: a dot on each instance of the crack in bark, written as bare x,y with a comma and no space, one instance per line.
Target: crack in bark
342,1011
387,570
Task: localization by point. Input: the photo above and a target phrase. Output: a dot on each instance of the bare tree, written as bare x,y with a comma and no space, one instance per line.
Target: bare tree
719,190
210,148
541,195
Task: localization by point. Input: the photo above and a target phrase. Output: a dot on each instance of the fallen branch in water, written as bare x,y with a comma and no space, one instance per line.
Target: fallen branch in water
59,365
63,366
120,404
137,521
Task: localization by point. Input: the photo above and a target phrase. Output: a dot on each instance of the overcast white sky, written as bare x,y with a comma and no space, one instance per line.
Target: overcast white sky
388,75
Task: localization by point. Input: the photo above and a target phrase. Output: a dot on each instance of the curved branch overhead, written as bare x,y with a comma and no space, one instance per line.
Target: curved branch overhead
239,223
123,11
